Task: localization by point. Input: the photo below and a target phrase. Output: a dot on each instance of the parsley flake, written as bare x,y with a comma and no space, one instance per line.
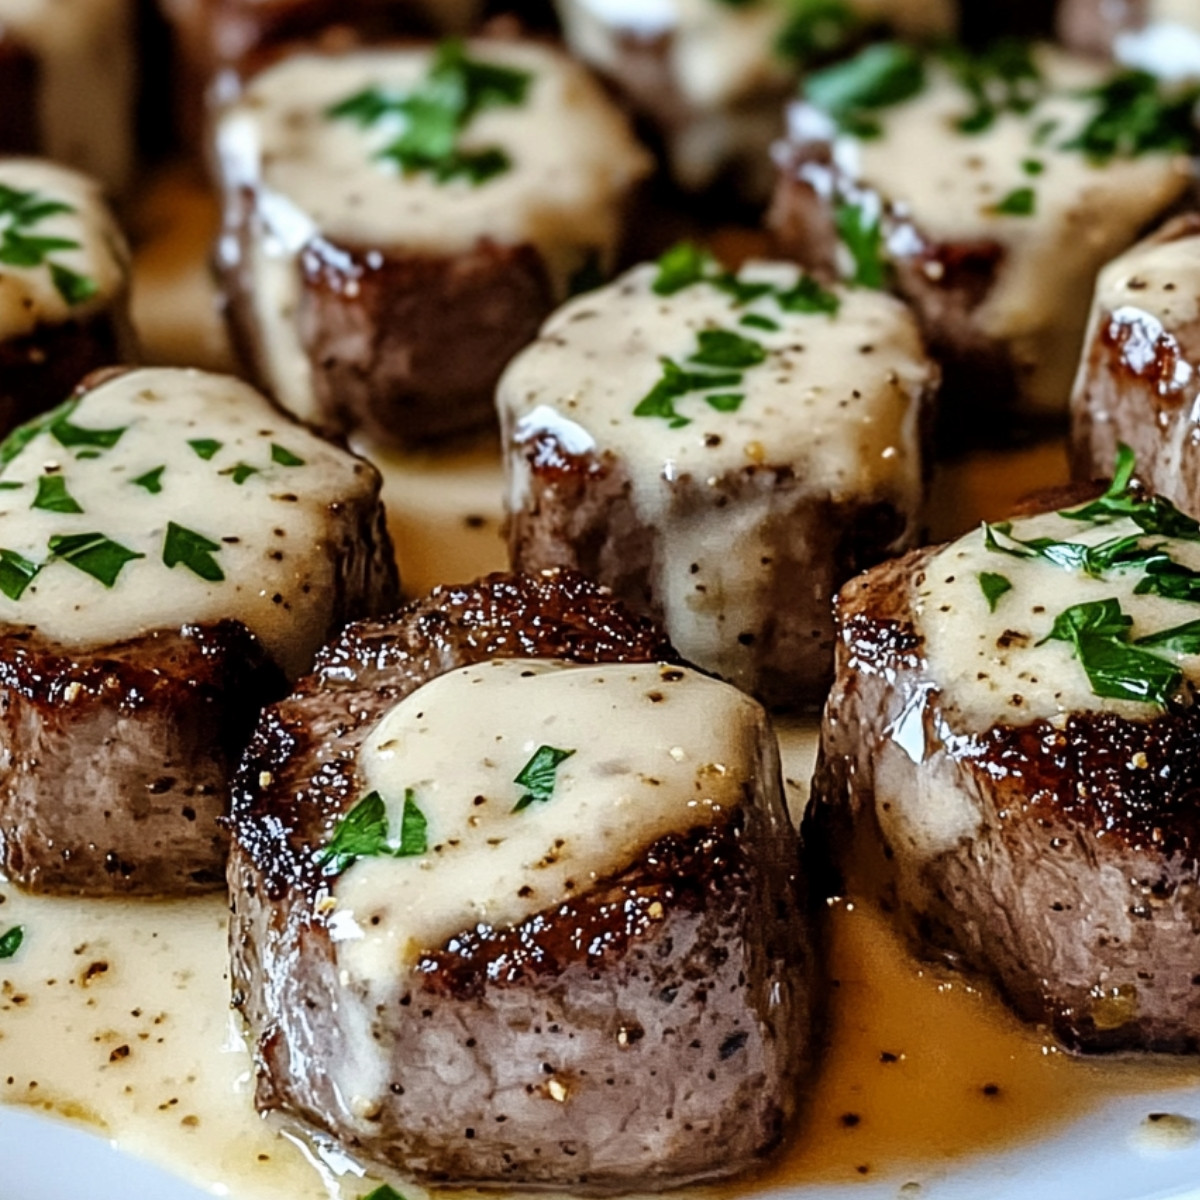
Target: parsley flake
94,554
540,775
881,75
193,550
52,496
363,833
151,480
10,942
239,472
862,235
205,447
21,211
284,457
383,1192
1020,202
993,587
16,573
817,30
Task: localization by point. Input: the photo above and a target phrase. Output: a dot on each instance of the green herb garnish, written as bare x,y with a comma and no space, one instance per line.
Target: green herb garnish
1020,202
881,75
52,496
539,776
284,457
993,587
862,235
722,348
758,321
1135,113
193,550
1182,639
205,447
817,30
1003,77
436,113
239,472
151,480
16,573
676,382
22,211
363,833
94,554
384,1192
10,942
57,422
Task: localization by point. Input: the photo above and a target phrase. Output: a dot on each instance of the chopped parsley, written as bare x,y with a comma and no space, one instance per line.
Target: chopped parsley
10,942
384,1192
205,447
239,472
16,573
1002,77
677,382
817,30
284,457
862,235
434,115
993,587
193,550
1135,113
363,833
52,496
722,348
22,211
94,554
1020,202
57,422
540,775
151,480
757,321
879,76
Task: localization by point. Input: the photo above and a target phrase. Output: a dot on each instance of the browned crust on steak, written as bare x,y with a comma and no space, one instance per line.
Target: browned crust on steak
19,84
578,513
43,369
1139,386
118,761
663,986
1080,893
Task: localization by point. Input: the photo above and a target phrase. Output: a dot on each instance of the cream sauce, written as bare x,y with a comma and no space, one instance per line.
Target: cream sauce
573,162
656,750
988,666
278,539
835,400
28,296
85,54
950,184
1161,279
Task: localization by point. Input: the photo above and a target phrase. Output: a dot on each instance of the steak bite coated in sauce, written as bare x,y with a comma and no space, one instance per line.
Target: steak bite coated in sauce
723,451
172,551
64,286
712,77
1008,763
1139,380
382,268
987,190
515,900
67,83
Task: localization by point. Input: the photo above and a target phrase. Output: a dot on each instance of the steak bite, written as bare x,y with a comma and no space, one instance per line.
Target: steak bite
364,248
987,190
172,551
713,77
1009,763
723,451
624,993
64,287
1139,380
67,83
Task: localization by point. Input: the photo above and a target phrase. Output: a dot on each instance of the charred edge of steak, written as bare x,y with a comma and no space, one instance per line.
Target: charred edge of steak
297,778
39,370
375,323
691,871
20,82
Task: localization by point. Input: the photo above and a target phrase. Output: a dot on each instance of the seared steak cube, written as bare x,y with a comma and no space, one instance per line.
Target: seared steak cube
712,77
67,82
987,190
381,279
1140,376
171,552
1012,741
723,451
515,900
64,287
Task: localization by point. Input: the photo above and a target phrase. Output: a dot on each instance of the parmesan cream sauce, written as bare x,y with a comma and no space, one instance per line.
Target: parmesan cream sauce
655,750
718,53
85,56
572,155
277,535
836,400
988,666
115,1015
950,183
28,297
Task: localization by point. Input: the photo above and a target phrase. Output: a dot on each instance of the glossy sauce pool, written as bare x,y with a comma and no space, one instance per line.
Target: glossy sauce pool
115,1015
